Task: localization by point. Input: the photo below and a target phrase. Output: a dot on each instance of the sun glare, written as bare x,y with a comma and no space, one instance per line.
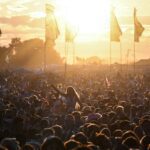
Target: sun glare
90,17
37,14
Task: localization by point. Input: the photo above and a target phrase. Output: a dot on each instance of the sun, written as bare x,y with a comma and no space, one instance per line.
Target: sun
89,16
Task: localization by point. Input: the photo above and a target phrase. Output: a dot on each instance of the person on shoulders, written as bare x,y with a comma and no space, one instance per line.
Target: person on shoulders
71,98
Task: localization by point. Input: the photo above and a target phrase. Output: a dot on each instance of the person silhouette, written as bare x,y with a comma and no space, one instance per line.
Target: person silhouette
71,98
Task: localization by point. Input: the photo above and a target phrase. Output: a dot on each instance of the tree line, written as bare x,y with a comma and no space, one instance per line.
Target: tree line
28,53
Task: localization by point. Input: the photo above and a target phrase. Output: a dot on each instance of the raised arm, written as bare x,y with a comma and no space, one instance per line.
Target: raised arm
58,91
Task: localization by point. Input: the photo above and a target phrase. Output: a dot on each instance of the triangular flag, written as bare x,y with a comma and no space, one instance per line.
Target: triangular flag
138,28
52,31
115,30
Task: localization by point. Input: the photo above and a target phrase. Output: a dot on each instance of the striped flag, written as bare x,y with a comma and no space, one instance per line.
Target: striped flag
51,27
115,30
138,28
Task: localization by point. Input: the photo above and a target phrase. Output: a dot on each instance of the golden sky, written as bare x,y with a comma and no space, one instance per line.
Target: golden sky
25,19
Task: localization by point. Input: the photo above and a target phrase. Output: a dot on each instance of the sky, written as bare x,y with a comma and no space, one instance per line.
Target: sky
25,19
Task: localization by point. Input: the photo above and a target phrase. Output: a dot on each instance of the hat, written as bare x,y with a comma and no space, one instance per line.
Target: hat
93,116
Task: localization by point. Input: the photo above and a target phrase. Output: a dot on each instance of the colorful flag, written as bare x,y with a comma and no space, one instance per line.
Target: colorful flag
138,28
52,31
69,34
115,30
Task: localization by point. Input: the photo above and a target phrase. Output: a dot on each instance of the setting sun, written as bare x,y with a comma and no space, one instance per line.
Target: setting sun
88,19
88,16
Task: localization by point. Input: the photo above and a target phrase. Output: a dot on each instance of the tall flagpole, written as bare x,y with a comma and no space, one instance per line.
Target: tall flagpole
134,56
127,57
134,43
110,44
65,60
120,55
73,53
110,57
138,30
66,57
44,57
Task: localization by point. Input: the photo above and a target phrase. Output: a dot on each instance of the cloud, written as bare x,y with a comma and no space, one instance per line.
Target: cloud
19,8
22,20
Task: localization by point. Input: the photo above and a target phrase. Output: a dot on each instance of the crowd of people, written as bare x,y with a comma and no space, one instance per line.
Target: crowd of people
87,110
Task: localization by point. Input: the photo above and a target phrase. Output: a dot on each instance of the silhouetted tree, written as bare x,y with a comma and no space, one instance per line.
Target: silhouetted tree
30,53
15,42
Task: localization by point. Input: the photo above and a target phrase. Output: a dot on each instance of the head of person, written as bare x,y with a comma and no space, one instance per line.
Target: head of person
52,143
10,143
129,134
70,91
145,141
81,137
70,144
102,141
131,142
28,147
58,130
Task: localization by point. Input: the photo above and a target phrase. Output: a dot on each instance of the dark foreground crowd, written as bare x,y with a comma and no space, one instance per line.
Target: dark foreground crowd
97,112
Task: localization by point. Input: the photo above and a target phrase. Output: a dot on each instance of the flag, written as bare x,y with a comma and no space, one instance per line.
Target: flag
69,34
51,27
108,84
7,59
115,30
138,28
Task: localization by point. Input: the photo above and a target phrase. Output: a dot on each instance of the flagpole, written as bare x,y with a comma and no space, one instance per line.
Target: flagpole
110,57
127,57
138,30
65,60
73,53
44,57
134,56
44,67
134,14
121,55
